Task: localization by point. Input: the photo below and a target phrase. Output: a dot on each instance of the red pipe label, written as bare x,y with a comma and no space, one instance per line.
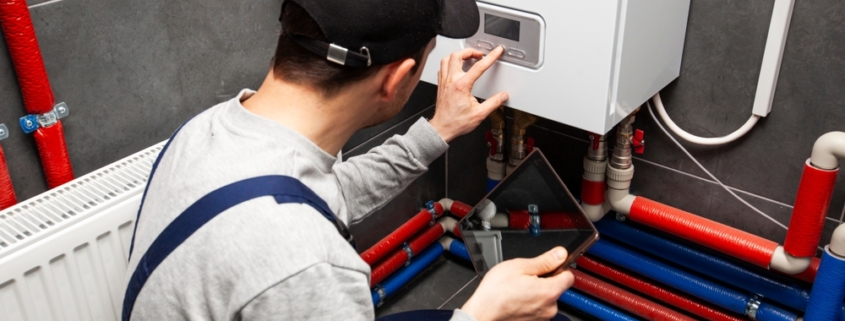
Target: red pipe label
720,237
7,191
670,297
808,215
592,193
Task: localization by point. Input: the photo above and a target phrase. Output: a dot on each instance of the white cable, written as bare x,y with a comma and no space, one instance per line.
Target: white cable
708,172
701,140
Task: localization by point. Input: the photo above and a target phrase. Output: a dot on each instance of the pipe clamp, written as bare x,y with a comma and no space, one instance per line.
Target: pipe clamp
409,251
4,132
534,220
31,123
431,209
381,294
752,307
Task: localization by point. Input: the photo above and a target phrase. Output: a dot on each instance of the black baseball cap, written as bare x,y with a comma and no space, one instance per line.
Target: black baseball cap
363,33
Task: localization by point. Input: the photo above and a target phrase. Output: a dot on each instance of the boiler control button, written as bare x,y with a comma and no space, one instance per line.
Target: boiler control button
516,53
484,45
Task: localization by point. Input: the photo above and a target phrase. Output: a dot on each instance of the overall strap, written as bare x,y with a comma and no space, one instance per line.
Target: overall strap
284,189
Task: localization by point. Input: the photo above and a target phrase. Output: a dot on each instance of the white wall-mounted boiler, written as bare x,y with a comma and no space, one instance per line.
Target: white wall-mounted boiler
584,63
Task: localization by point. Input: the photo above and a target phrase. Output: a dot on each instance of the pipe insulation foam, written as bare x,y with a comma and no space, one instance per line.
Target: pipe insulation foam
671,297
628,301
7,191
717,236
26,56
808,215
829,288
54,156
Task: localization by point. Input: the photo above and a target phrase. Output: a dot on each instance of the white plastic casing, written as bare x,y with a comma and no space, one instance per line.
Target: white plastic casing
601,59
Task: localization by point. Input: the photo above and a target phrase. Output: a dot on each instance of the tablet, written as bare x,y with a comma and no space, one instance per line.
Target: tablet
530,212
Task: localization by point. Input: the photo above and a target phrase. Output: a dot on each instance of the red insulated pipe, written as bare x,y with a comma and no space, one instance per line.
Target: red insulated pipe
395,239
592,193
808,215
548,220
720,237
54,156
460,209
35,87
26,56
7,191
672,298
398,258
626,300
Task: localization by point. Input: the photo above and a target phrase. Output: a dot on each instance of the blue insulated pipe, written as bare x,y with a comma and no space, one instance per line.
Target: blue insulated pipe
404,275
592,307
791,295
459,249
707,290
828,289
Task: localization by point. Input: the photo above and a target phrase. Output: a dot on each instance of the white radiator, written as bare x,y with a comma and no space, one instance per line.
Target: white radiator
63,254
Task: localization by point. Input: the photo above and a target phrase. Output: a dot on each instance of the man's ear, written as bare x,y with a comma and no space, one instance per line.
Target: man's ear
396,73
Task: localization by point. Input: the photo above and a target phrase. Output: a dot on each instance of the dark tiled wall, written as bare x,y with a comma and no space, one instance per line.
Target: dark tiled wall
713,97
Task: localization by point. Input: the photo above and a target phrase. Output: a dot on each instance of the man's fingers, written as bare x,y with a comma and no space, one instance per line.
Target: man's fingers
561,282
546,262
494,103
482,65
456,60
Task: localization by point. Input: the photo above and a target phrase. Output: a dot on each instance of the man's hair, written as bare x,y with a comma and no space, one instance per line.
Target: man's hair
298,65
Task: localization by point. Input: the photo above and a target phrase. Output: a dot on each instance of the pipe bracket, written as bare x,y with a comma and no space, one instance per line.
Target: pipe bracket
409,251
4,132
381,295
431,209
752,307
31,123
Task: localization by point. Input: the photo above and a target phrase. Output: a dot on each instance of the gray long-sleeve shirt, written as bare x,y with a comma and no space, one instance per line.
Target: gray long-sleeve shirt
260,260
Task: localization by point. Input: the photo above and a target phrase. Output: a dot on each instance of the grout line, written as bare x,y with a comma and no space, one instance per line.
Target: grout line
456,293
414,117
43,3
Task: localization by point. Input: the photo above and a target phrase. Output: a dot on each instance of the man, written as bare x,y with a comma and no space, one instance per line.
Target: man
340,66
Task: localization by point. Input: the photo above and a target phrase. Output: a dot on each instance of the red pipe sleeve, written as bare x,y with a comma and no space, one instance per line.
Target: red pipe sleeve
395,239
672,298
808,215
548,220
592,193
54,156
725,239
26,56
626,300
398,259
7,191
460,209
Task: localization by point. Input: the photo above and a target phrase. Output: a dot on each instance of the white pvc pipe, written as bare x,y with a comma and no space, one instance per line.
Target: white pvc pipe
701,140
828,150
788,264
837,241
500,220
446,203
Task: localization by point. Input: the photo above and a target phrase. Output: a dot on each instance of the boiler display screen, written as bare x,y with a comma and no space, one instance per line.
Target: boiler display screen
501,27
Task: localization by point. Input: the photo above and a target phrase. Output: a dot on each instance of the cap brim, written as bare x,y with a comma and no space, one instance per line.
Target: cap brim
458,18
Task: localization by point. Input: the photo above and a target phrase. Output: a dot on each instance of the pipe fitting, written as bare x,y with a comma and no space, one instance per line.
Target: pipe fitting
486,211
622,151
448,223
828,150
521,121
787,263
497,119
446,203
496,169
596,212
837,241
498,135
598,148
